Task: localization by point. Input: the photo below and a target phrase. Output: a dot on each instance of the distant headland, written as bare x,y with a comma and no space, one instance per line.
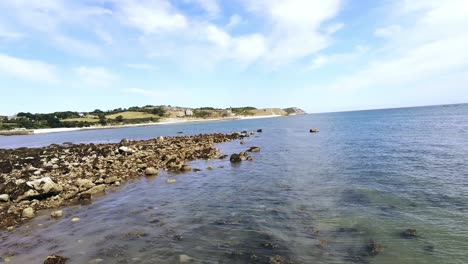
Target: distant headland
27,123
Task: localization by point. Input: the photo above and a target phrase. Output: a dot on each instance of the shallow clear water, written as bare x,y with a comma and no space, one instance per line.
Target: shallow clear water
367,175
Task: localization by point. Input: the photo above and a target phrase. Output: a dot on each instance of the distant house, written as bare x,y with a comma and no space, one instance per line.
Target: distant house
188,112
81,114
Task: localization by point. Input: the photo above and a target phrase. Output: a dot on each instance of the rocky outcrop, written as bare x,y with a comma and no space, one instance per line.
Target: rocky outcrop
60,175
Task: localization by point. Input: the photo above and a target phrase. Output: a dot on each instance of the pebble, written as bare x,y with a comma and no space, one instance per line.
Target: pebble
75,219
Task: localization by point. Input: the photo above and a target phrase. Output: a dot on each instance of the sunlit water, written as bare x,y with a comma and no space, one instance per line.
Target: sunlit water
367,175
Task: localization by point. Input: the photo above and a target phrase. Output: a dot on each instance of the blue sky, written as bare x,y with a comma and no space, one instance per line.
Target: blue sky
327,55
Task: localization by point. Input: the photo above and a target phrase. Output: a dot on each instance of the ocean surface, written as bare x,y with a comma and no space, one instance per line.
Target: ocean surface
308,197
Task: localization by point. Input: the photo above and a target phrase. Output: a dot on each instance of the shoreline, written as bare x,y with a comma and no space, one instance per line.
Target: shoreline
167,121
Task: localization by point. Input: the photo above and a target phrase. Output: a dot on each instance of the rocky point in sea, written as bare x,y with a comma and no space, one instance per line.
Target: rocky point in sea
32,179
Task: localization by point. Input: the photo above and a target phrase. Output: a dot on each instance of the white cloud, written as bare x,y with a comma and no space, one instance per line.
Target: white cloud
296,27
27,69
95,76
210,6
388,31
150,16
431,44
234,20
331,29
337,58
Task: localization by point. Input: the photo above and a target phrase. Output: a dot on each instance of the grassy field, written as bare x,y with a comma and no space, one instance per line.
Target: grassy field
90,119
132,115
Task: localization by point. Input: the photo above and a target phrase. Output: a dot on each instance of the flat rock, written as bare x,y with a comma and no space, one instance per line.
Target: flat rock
96,189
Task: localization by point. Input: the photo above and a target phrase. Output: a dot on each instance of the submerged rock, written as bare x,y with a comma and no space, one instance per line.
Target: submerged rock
75,219
185,258
55,260
254,149
171,181
374,248
409,233
235,158
185,168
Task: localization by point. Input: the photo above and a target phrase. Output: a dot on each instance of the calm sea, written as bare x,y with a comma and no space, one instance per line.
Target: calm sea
311,198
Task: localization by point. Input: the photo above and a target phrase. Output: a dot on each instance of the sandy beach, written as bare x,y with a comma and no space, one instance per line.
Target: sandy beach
167,121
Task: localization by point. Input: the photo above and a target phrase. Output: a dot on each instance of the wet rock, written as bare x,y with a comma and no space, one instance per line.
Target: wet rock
27,213
55,260
4,198
84,198
84,184
185,258
223,156
196,170
185,168
96,189
111,180
171,181
209,168
56,214
313,130
75,219
249,158
38,189
151,171
235,158
409,233
260,131
254,149
242,142
374,248
125,150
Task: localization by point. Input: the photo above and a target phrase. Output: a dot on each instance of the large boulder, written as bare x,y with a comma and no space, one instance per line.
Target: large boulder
36,189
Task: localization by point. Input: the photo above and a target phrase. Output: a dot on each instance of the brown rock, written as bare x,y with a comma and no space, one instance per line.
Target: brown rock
55,260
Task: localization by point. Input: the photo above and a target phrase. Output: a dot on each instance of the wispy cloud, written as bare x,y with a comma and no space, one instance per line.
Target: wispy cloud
28,69
95,76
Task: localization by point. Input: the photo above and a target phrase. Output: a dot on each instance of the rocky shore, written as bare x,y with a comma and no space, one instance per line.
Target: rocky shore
32,179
